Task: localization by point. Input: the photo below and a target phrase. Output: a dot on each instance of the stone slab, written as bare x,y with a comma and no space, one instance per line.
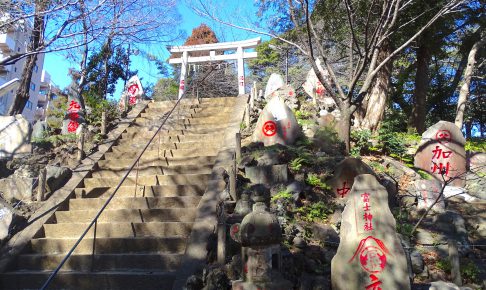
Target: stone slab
370,254
427,192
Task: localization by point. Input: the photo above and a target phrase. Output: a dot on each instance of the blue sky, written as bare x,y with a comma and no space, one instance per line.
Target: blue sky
58,66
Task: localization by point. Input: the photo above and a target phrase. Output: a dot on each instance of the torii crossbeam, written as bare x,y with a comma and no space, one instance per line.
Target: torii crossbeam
212,48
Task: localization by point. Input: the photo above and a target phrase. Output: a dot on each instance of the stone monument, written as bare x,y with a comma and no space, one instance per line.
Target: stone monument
276,124
344,174
260,235
441,153
75,112
370,255
274,83
15,132
133,92
427,193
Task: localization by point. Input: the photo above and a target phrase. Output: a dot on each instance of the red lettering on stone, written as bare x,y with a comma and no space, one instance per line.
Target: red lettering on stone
344,190
438,153
366,207
269,128
72,126
73,116
441,168
375,283
443,136
372,255
74,107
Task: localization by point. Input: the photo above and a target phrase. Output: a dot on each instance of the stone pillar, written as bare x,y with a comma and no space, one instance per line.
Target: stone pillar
241,71
182,85
41,187
238,146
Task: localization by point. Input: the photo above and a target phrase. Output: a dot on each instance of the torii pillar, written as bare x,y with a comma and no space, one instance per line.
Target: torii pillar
212,48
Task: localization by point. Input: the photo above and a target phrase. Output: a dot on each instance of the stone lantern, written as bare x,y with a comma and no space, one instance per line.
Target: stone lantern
260,235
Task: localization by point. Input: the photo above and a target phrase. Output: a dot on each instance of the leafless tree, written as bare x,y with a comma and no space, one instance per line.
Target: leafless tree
78,26
367,26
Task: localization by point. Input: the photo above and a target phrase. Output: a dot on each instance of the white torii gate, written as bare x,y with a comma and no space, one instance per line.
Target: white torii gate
212,48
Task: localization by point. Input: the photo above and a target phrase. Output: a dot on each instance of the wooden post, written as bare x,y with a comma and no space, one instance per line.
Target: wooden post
221,242
41,187
232,180
103,123
81,144
238,146
455,267
247,116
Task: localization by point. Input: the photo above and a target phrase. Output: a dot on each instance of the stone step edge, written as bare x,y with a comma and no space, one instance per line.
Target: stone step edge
20,240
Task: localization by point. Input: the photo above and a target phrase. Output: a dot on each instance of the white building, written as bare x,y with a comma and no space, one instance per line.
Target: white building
16,40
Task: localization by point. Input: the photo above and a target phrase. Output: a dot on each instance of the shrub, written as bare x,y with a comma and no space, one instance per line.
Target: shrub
285,195
314,180
96,105
315,211
361,142
470,272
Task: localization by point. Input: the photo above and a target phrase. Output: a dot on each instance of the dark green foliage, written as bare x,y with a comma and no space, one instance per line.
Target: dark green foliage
97,106
99,83
361,140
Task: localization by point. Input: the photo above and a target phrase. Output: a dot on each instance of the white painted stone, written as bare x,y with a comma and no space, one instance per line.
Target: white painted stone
370,255
14,136
442,149
6,217
276,124
314,88
133,92
274,83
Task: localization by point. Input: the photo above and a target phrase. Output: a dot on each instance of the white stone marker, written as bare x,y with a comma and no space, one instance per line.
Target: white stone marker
370,255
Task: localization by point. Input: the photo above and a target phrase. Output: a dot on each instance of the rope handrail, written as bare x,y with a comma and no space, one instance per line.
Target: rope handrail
95,219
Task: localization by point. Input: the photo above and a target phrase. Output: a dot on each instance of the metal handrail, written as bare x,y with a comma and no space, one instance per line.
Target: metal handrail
95,219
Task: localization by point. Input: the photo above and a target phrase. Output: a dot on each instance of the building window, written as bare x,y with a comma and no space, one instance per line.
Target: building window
18,49
32,86
36,68
28,105
15,69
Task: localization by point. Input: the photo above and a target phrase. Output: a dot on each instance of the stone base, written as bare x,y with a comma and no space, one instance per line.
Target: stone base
278,285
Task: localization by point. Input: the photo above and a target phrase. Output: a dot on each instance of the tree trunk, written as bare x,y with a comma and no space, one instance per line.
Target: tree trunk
344,127
22,95
468,125
376,104
464,91
419,109
107,53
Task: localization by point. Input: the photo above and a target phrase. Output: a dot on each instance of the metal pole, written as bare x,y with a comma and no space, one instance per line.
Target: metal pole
81,144
238,146
41,188
286,66
103,123
455,267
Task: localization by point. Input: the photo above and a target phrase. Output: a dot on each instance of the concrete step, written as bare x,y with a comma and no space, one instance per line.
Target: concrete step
130,145
144,137
142,191
110,245
153,170
164,161
226,101
196,151
118,230
189,119
134,202
189,130
104,262
127,215
154,125
148,180
74,280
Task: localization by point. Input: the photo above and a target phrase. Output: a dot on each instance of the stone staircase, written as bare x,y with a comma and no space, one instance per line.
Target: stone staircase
141,237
